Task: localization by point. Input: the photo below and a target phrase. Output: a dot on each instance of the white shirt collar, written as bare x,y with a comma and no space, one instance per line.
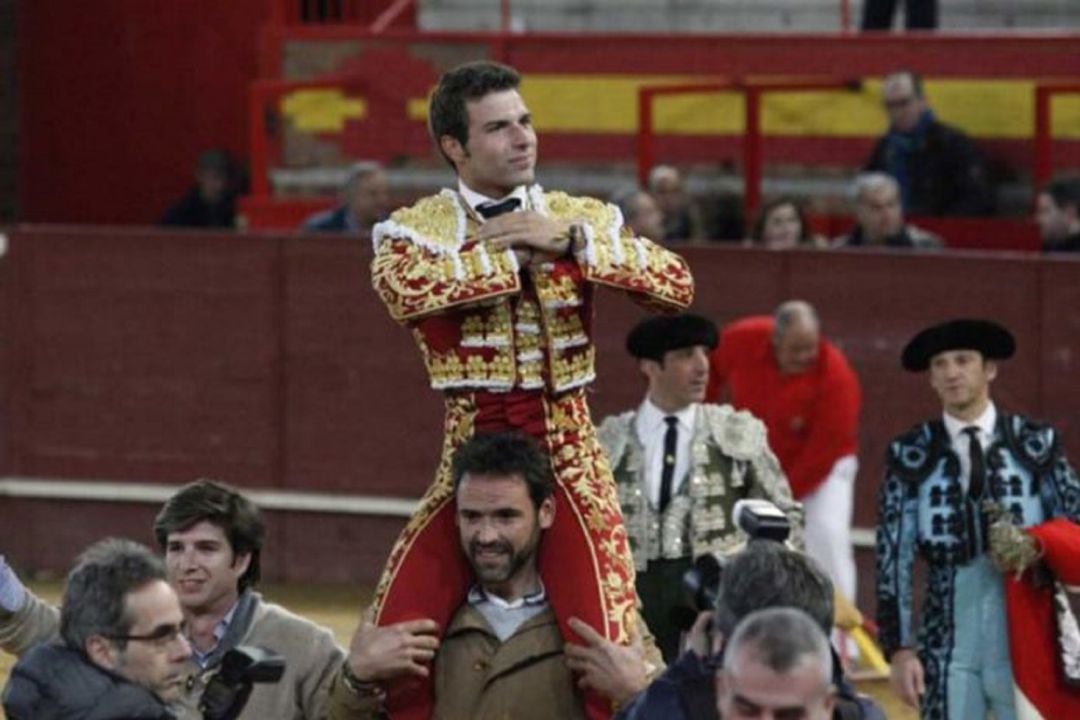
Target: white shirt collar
651,417
478,595
985,422
474,198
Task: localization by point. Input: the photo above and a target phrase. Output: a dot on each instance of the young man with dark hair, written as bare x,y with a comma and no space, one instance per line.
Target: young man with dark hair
942,480
681,464
502,653
212,538
121,653
495,279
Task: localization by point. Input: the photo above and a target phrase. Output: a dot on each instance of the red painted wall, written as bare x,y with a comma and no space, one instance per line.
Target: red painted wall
118,97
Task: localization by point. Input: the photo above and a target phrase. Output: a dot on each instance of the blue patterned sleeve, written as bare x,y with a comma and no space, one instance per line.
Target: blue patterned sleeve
896,539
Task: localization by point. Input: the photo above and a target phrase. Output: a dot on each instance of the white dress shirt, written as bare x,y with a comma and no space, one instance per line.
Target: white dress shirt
651,428
961,441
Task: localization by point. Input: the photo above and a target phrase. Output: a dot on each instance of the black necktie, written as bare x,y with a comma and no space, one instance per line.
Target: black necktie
977,477
976,521
492,209
667,474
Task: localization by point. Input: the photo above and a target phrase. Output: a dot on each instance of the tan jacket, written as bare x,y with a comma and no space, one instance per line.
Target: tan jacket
312,658
479,678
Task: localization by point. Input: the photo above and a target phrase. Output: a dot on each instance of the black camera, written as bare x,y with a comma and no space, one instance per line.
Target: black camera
241,667
760,520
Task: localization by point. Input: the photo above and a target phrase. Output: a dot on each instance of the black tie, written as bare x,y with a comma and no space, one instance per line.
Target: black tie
667,475
492,209
976,521
977,480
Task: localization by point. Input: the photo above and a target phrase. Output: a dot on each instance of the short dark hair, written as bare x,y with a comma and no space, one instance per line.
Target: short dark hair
447,113
506,454
223,506
95,597
757,231
1064,192
767,574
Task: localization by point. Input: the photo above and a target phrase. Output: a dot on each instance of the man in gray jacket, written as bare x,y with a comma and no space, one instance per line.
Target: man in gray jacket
212,537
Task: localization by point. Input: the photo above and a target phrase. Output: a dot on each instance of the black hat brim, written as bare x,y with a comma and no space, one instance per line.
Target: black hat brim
989,338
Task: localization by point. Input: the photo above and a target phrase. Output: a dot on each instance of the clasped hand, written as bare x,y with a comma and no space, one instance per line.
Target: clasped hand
534,237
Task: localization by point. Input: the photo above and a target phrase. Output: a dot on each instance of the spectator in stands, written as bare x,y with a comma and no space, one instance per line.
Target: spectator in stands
918,14
211,202
212,538
765,575
879,218
939,170
1057,211
781,225
641,213
365,200
121,653
502,654
682,218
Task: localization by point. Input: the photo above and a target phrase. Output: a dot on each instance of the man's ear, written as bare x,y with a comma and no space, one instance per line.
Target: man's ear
242,562
991,370
102,652
453,149
649,368
546,513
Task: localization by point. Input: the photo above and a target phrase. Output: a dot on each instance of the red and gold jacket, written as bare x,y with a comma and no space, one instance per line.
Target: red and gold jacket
482,323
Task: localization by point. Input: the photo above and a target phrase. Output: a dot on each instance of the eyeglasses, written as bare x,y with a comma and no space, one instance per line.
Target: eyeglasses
160,636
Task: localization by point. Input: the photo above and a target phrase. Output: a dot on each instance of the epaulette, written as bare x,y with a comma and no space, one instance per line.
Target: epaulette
436,222
613,434
738,433
912,454
602,216
1033,443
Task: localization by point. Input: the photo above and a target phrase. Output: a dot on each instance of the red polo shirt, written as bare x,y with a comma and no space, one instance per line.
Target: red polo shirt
812,417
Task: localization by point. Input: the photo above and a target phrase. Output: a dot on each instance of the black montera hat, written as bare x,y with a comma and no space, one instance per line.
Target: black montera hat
986,336
654,336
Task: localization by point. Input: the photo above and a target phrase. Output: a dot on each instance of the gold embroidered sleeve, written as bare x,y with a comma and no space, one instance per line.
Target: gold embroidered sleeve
609,254
415,281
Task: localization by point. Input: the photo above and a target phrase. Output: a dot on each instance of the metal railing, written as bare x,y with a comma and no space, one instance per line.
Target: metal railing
752,146
1043,164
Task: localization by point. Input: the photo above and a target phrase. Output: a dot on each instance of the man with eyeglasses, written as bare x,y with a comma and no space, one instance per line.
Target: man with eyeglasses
121,653
212,538
939,170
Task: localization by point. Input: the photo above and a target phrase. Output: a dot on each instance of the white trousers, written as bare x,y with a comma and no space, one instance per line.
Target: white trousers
828,524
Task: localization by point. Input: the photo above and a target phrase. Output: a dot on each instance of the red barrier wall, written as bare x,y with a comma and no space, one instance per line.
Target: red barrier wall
268,361
118,97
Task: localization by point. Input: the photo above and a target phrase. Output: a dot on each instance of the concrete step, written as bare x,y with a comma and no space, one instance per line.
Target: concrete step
719,16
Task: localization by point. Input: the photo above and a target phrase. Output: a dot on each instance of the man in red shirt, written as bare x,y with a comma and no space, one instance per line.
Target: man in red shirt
803,389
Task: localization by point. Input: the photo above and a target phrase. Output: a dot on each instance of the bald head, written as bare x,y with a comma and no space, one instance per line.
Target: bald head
796,336
665,184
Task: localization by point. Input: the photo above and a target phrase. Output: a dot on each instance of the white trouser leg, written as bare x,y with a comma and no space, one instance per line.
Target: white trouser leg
828,524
